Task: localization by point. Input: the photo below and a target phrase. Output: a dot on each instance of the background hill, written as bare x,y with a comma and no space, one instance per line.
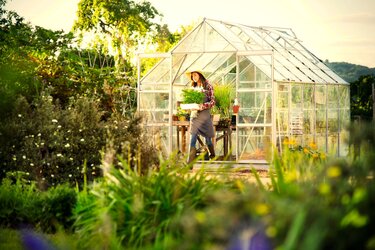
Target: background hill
350,72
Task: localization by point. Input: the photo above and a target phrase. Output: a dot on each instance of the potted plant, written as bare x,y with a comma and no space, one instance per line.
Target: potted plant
182,114
192,97
224,94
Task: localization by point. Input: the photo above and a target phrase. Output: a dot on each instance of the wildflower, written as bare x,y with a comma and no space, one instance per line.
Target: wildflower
54,121
71,158
59,126
67,145
262,209
333,171
14,158
70,175
39,134
19,115
271,231
324,189
313,146
59,155
32,164
57,166
305,150
82,140
52,175
24,157
200,217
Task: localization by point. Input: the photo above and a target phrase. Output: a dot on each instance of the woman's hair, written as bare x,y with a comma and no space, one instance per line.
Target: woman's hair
202,79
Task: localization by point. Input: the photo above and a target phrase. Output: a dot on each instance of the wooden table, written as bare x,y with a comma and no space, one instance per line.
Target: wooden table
184,126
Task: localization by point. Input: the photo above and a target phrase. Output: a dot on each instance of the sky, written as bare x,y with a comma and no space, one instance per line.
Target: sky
337,30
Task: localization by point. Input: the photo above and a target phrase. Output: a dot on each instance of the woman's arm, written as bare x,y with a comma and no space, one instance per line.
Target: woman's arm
210,94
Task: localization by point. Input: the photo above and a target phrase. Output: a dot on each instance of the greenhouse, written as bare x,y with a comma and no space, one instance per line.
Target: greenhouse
286,95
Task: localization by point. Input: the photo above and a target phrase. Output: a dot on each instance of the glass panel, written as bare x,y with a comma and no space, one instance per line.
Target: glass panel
192,42
251,76
160,137
159,73
255,107
254,93
283,96
296,96
216,41
254,142
227,34
154,106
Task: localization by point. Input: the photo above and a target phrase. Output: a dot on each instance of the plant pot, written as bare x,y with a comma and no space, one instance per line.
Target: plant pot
182,118
236,108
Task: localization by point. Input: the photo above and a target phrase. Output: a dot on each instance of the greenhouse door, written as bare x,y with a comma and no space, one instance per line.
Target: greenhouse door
154,100
254,133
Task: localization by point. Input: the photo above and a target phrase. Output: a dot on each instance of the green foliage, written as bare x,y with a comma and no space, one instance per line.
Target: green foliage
350,72
192,96
224,96
132,210
125,22
23,205
52,144
361,103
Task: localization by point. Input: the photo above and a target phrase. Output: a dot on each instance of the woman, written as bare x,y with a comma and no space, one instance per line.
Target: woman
202,123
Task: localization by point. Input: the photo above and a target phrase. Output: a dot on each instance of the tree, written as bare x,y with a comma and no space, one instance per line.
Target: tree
126,22
361,93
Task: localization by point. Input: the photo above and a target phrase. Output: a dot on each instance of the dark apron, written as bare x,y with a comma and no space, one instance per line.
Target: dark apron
202,124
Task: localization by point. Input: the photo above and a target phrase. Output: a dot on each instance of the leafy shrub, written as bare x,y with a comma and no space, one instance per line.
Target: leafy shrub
24,206
55,145
128,209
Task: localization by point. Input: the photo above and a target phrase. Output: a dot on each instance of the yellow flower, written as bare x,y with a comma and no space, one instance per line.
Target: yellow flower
333,171
291,176
313,146
200,217
324,189
271,231
305,150
262,209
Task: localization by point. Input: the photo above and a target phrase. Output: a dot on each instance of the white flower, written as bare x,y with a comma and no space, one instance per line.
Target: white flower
59,126
54,121
59,155
67,145
24,156
32,164
70,176
57,166
52,175
39,134
82,140
19,115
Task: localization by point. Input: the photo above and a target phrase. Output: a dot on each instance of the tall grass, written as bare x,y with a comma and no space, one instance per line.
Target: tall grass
128,209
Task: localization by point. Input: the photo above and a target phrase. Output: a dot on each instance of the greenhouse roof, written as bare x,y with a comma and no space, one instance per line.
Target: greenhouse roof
206,45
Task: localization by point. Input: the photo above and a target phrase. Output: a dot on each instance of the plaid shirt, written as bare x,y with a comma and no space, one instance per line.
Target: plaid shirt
209,91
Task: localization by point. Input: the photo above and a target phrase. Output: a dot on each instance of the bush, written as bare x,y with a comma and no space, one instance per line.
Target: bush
129,209
24,206
55,145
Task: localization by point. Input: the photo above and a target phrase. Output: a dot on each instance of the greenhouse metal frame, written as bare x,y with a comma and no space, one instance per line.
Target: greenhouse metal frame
287,95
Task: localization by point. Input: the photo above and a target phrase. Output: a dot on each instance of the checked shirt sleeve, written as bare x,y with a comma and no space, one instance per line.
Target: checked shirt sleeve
210,96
